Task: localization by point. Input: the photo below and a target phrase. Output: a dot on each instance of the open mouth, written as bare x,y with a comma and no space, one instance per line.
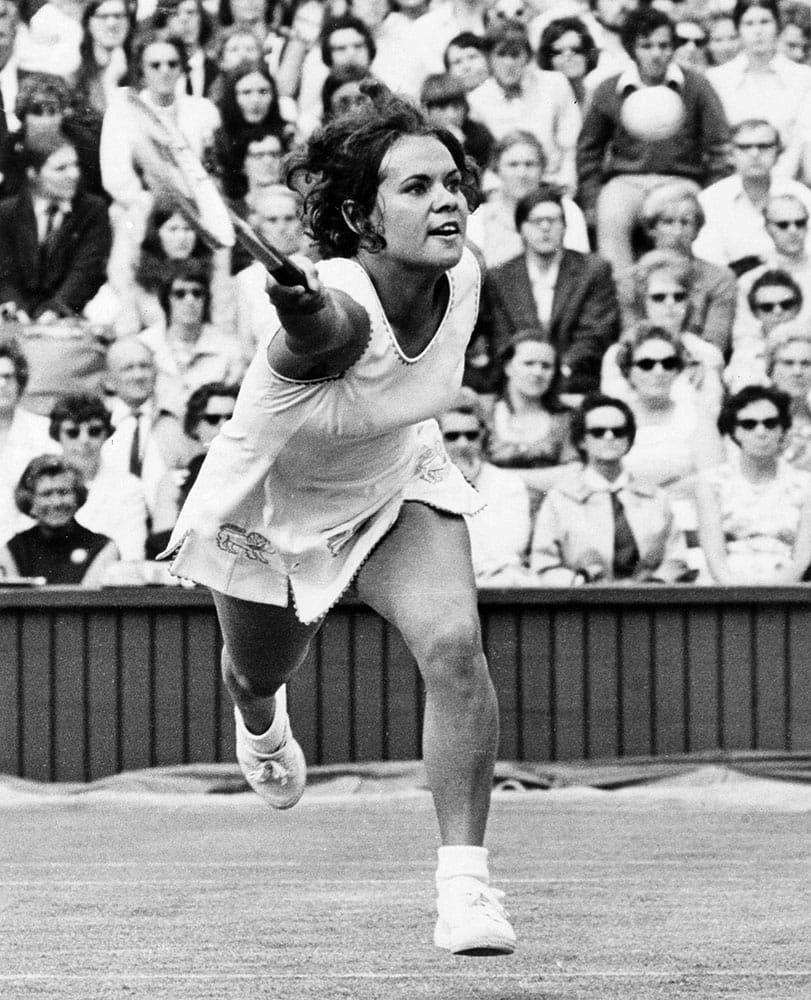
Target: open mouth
448,229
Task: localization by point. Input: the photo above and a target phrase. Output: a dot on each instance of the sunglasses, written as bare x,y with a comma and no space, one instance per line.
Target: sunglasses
699,41
664,296
789,223
92,431
770,307
184,293
600,432
467,435
212,419
669,364
769,423
44,108
164,64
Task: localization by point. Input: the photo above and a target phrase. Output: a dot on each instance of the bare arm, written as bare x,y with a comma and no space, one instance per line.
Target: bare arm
711,533
801,557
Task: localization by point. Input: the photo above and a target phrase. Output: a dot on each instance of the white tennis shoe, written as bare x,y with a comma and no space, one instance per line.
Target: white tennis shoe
472,919
278,777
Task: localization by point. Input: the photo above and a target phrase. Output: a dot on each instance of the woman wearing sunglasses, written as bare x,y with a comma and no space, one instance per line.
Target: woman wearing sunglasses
567,47
599,524
754,511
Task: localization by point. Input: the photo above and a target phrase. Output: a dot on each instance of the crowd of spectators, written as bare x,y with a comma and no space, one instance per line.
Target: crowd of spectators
636,403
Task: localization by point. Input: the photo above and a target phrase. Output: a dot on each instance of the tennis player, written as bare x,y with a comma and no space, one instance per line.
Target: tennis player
332,472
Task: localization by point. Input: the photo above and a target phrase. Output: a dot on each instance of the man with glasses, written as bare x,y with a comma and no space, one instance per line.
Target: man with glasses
734,233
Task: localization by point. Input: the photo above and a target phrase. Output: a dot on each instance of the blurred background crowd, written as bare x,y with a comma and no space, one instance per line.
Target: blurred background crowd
636,399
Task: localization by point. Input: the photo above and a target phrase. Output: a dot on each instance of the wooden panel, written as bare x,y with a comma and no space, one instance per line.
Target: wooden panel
10,715
202,681
69,721
169,698
403,702
335,711
636,653
368,688
703,710
137,720
669,682
501,647
771,646
569,731
736,672
602,686
799,681
535,652
37,697
103,695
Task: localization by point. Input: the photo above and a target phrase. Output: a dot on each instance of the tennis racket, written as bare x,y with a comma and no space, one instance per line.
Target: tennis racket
171,169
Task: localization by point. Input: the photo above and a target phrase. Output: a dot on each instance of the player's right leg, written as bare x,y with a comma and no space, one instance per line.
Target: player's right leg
262,647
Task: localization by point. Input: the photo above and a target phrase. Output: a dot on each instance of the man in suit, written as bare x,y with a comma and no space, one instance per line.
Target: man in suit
54,238
571,296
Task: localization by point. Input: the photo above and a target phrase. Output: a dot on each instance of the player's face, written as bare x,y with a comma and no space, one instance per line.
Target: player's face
161,69
9,390
791,372
253,94
469,65
652,54
421,204
531,369
519,170
54,500
177,238
59,175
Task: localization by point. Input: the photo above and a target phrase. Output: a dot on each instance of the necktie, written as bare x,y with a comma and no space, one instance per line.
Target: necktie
135,448
51,212
626,553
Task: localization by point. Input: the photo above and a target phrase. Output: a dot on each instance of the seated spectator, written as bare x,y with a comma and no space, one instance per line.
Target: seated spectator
257,166
723,43
754,511
690,50
788,365
57,547
54,238
341,93
232,46
431,34
115,505
569,296
612,188
465,57
148,439
443,97
529,430
207,410
795,31
107,30
189,351
567,47
598,524
675,435
189,21
519,166
734,231
23,435
672,216
518,95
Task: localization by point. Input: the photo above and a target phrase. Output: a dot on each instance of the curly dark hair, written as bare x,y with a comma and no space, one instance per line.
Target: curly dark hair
339,168
233,121
198,401
79,407
728,417
40,467
595,401
555,30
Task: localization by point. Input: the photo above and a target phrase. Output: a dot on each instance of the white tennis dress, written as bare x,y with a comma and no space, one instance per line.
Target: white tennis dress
307,477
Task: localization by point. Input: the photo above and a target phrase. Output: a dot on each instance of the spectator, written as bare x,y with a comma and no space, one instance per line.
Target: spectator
443,97
115,505
108,27
691,39
23,435
568,296
54,238
435,30
675,435
754,511
465,58
598,524
789,368
723,43
190,352
734,232
518,95
50,491
500,532
567,47
257,167
612,189
232,46
530,424
795,31
341,93
148,439
207,410
261,17
189,21
519,163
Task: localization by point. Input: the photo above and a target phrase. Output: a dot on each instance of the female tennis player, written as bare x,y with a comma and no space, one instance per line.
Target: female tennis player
332,471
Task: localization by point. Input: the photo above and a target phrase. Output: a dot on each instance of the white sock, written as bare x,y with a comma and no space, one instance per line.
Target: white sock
271,740
461,859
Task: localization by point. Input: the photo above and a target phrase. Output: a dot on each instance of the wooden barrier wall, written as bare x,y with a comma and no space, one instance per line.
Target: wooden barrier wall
96,682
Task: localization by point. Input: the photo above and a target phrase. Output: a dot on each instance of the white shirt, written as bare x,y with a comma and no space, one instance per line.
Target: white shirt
543,283
8,87
27,438
500,533
117,448
116,507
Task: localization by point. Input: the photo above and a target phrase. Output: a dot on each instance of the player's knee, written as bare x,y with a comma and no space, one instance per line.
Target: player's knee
452,653
244,684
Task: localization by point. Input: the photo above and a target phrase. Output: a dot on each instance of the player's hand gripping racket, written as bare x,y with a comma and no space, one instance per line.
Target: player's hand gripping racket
171,169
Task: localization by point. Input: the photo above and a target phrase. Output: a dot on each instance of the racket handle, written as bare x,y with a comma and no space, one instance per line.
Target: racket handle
274,261
287,273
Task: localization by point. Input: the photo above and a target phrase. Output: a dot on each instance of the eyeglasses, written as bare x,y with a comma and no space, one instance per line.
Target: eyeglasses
43,108
184,293
91,430
212,419
271,154
783,304
467,435
121,16
671,363
789,223
761,147
794,362
768,423
543,220
660,297
568,50
163,64
600,432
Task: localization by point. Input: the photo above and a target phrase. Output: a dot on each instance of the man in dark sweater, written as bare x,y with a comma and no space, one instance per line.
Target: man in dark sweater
615,170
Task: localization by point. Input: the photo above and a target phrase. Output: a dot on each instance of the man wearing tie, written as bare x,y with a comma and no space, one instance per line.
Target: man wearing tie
54,238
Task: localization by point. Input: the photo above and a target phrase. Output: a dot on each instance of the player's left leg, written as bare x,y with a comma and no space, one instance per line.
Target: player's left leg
420,578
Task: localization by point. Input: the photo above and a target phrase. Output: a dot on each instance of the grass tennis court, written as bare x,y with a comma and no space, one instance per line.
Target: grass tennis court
664,892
